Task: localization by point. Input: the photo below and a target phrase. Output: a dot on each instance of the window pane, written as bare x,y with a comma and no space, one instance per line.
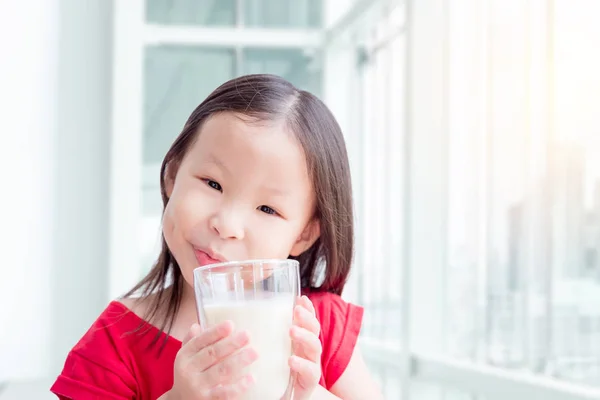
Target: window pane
191,12
176,80
524,204
283,13
575,191
378,183
380,216
294,65
496,272
510,197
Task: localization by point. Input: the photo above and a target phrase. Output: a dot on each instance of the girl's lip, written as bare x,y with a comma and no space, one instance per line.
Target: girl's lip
207,257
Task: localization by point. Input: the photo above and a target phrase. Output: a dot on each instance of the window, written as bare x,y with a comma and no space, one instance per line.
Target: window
283,14
522,235
376,142
176,79
379,189
297,66
221,13
502,192
191,12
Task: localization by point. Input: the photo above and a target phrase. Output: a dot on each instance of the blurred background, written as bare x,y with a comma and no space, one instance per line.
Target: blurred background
472,127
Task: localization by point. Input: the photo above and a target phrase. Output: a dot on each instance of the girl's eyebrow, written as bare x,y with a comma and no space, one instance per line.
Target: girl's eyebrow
211,159
271,190
275,191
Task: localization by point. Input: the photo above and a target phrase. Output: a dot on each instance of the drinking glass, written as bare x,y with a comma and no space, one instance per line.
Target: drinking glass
258,296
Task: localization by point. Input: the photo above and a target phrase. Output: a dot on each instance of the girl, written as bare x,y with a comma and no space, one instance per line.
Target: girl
259,171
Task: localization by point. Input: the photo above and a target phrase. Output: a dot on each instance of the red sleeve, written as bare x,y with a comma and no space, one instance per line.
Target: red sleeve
99,366
83,379
340,327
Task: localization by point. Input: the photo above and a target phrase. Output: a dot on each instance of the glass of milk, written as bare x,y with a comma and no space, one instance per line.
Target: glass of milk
258,296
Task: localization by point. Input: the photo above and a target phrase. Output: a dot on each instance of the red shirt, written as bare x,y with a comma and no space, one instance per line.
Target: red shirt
111,362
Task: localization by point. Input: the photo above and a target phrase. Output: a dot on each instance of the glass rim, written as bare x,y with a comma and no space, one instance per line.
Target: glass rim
286,261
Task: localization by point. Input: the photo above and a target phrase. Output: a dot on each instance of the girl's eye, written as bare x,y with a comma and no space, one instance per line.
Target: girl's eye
214,185
267,210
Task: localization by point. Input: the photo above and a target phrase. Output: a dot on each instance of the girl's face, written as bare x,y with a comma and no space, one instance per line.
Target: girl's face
241,192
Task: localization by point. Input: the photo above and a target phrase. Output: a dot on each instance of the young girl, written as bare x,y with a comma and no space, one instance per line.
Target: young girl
259,171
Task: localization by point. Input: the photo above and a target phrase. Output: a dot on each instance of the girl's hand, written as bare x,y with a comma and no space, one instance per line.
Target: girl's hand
306,361
210,364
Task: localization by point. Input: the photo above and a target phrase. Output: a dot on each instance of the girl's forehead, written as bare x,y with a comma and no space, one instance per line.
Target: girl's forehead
227,135
257,150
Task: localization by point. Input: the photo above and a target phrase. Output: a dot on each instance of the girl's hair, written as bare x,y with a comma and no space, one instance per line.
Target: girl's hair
270,98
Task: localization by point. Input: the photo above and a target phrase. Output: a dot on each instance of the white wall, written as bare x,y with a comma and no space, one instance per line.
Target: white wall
80,275
28,82
55,80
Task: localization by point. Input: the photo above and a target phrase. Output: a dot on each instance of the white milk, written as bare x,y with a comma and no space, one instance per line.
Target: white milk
269,322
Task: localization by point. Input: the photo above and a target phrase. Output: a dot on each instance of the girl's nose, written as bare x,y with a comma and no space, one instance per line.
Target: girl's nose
227,225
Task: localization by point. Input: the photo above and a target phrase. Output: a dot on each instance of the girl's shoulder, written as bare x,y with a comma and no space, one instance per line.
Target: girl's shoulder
116,333
136,305
341,322
116,357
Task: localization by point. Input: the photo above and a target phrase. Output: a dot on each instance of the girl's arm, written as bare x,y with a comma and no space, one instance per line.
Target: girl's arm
356,383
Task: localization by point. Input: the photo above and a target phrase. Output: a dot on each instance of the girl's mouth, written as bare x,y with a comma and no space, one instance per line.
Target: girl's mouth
206,257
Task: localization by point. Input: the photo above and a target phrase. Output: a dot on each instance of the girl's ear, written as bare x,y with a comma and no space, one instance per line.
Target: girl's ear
309,236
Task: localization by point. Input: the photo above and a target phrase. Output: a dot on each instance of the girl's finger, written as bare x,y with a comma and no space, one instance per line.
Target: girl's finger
308,372
207,337
212,354
308,305
303,318
308,342
232,391
230,369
